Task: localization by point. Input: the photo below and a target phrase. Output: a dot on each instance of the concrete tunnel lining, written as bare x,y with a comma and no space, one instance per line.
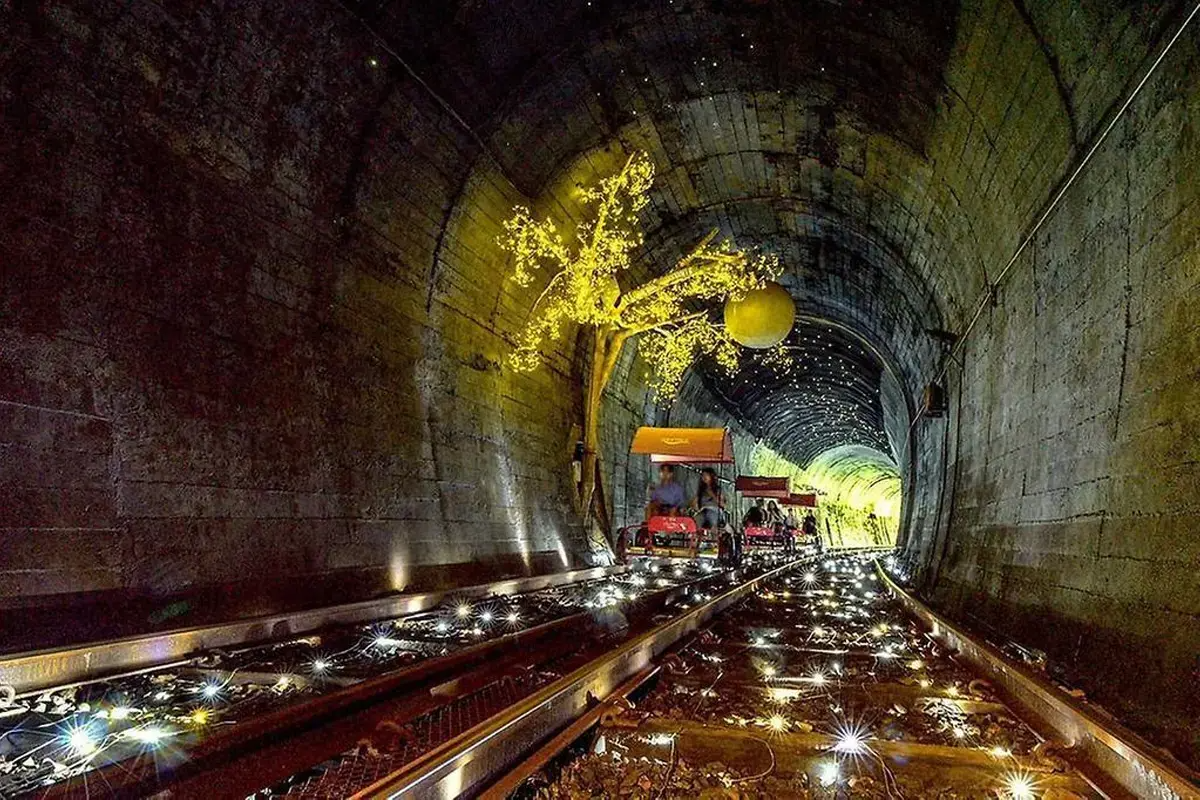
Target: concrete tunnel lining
259,311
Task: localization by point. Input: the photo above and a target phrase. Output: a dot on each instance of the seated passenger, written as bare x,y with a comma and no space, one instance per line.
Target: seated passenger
774,516
667,498
811,532
756,517
709,500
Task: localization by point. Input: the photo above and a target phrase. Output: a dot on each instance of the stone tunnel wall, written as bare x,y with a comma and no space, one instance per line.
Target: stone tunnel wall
254,319
249,358
1074,434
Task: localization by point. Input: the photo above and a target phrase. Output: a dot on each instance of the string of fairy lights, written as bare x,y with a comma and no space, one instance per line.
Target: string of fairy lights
53,735
821,653
817,391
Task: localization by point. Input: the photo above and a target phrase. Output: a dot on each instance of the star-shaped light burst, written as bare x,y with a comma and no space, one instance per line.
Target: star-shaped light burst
851,739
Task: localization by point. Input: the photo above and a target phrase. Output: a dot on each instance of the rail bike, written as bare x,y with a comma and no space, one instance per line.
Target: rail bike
676,536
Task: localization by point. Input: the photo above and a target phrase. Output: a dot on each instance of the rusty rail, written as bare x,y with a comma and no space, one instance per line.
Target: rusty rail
1118,756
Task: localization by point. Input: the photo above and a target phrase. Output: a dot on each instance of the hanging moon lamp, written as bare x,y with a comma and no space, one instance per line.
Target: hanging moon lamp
761,319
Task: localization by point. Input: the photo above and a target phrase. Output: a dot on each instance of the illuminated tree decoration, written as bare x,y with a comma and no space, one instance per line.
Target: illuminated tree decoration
669,311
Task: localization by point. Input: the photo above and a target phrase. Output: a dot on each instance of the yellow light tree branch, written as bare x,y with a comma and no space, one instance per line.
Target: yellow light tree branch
665,312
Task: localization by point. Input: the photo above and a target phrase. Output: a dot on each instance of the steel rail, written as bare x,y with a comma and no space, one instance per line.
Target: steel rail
478,756
142,777
278,727
510,782
60,667
1118,755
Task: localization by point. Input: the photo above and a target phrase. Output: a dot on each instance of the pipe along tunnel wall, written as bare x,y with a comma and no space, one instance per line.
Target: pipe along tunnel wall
254,318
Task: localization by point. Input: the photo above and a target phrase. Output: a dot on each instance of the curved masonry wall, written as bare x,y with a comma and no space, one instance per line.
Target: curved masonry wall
250,359
253,316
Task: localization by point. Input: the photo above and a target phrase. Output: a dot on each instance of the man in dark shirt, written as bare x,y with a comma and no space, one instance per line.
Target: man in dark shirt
757,515
667,498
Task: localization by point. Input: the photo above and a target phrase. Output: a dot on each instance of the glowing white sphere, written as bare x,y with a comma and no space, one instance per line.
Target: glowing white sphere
762,318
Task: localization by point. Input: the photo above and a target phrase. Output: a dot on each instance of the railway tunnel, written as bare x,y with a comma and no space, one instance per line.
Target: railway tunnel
257,319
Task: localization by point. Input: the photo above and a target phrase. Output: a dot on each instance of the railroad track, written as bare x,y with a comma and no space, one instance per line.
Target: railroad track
224,723
59,667
812,681
396,749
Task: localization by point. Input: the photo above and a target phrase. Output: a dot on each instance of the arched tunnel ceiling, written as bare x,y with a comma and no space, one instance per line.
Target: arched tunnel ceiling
808,128
881,61
753,110
825,394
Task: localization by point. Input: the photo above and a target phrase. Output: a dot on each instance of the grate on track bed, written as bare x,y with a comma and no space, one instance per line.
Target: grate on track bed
393,746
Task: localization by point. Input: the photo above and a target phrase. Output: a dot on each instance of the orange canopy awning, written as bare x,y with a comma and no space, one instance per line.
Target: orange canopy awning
684,445
755,486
